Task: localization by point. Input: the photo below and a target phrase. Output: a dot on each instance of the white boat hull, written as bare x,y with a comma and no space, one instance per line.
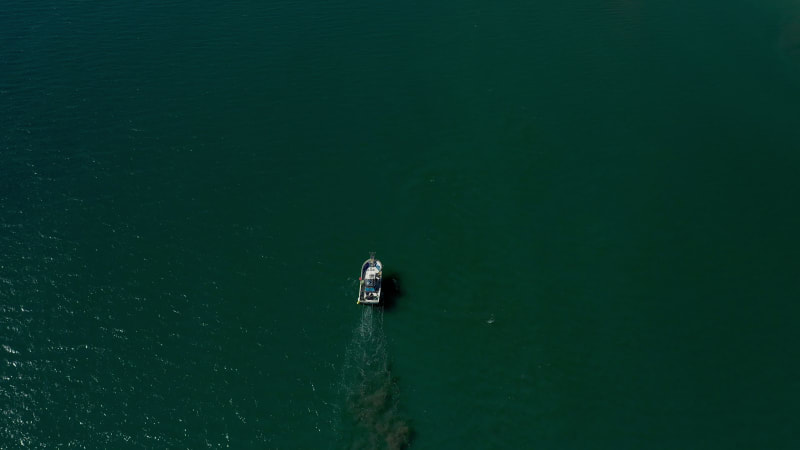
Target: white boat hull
369,286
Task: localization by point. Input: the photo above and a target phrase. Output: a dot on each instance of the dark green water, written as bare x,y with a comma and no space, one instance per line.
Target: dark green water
588,212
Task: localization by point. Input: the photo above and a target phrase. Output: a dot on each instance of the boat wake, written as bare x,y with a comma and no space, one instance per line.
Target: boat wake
370,418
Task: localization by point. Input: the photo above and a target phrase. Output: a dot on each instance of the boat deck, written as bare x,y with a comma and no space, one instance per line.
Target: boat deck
369,290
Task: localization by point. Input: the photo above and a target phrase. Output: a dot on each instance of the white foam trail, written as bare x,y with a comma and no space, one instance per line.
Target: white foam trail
369,416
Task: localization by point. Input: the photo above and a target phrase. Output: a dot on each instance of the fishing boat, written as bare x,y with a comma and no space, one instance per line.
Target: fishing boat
369,289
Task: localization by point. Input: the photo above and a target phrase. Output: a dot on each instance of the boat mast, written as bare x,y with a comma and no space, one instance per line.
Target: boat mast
372,259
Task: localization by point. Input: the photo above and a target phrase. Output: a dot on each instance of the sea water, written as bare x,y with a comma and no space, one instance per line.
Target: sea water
588,209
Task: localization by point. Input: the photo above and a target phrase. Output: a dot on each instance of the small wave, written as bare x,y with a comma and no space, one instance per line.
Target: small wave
10,350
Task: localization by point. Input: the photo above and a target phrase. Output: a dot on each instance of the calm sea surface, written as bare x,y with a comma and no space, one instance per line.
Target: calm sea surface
587,212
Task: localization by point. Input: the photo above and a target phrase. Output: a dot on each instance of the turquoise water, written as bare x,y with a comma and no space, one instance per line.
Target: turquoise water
587,213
